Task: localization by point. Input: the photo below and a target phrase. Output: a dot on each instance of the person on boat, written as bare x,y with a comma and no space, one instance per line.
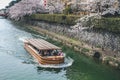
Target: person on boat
45,53
55,52
60,53
42,53
49,52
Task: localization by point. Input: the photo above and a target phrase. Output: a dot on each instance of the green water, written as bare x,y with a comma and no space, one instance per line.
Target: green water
17,64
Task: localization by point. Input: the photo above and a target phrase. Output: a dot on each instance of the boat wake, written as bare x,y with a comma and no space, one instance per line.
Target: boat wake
68,62
22,39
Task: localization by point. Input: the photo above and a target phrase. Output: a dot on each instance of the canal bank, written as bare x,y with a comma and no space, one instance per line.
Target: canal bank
78,45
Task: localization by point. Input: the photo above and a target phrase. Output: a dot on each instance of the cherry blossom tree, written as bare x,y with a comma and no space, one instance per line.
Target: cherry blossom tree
106,6
55,7
28,7
98,6
110,6
25,7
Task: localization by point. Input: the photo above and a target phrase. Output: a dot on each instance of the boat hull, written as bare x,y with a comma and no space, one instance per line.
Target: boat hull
46,59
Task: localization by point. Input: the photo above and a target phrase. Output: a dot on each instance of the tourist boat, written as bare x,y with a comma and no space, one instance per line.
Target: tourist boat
44,52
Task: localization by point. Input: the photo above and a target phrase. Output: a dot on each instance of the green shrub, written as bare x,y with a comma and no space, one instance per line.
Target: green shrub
67,10
109,24
56,18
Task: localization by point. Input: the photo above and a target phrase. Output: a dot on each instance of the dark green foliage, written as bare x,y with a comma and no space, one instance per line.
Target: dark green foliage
67,10
56,18
109,24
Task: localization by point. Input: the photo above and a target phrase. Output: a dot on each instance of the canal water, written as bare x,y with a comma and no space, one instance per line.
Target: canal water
17,64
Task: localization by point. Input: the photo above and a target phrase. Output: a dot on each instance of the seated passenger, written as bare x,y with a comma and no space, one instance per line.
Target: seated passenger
45,53
60,53
49,52
42,53
55,52
39,51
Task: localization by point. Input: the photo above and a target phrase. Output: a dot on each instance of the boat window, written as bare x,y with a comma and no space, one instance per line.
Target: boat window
50,52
